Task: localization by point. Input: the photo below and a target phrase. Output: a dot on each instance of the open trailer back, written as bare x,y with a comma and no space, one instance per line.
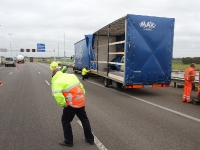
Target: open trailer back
132,52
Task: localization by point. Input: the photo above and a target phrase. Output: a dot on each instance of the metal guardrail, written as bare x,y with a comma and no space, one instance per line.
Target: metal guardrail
178,77
68,64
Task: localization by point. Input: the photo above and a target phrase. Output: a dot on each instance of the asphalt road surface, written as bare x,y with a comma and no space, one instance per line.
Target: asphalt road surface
133,119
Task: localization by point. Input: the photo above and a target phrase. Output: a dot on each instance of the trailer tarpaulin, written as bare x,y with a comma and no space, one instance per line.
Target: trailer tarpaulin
148,59
90,42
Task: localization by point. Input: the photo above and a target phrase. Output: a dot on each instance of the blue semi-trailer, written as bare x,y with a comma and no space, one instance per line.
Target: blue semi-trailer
132,52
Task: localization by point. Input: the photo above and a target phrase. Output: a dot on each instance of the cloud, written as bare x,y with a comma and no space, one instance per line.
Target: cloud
31,22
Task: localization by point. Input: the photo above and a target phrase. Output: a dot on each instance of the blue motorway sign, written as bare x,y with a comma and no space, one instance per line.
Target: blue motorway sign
40,47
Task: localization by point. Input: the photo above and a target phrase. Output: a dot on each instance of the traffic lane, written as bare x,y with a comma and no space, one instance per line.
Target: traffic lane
4,71
6,74
9,98
15,108
125,123
46,73
167,97
44,69
30,116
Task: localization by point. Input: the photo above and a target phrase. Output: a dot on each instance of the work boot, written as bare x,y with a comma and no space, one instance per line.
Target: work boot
66,144
91,143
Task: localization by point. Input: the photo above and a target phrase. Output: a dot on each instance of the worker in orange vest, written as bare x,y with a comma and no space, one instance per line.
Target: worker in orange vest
189,77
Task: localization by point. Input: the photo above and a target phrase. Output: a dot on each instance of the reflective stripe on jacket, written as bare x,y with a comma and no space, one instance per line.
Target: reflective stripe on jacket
67,90
85,71
189,74
74,96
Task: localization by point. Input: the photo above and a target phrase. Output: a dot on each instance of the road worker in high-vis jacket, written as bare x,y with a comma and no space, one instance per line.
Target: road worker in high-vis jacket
53,65
84,73
69,93
189,77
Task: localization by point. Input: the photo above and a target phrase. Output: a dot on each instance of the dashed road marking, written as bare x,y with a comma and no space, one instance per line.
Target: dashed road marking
39,72
47,82
10,73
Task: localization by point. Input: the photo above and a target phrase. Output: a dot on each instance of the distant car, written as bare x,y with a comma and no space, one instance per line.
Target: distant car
9,61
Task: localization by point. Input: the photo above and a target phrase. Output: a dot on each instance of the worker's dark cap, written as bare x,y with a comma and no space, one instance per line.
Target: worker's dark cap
193,65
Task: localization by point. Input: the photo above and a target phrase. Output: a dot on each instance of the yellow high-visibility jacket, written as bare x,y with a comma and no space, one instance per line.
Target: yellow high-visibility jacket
85,71
68,90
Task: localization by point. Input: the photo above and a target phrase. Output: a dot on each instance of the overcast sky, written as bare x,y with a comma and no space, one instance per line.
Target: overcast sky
24,23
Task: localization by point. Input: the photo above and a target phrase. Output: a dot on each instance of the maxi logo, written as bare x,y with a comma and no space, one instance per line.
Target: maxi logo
147,25
79,53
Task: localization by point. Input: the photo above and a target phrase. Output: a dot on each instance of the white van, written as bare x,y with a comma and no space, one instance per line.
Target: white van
9,61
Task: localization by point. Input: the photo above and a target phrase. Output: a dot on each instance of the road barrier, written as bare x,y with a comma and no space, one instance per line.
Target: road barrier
178,77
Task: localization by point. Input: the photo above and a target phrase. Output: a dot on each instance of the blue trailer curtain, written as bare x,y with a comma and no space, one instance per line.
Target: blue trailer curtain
90,44
149,46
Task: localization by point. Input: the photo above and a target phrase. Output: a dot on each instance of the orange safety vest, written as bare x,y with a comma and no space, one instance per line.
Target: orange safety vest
189,74
74,96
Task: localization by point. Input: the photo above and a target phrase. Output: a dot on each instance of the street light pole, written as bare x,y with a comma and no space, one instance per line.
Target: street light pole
10,44
64,44
16,49
58,50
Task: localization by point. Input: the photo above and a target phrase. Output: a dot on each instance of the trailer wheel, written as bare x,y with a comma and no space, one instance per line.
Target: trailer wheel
105,81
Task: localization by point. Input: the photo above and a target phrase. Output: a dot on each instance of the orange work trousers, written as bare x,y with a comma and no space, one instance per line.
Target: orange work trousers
187,91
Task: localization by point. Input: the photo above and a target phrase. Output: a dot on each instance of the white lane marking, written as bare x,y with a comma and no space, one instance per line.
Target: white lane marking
156,105
35,68
96,141
39,72
10,73
47,82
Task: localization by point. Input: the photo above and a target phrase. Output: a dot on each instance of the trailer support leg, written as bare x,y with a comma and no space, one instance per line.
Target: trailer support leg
174,84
